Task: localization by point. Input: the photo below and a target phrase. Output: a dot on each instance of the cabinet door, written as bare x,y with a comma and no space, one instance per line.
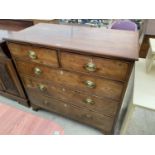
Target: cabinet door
9,81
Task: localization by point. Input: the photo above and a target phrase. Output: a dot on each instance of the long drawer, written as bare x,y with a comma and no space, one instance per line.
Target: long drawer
113,69
101,105
91,118
92,85
35,54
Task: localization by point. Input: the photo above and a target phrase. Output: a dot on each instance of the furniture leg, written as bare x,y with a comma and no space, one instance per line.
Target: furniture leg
35,107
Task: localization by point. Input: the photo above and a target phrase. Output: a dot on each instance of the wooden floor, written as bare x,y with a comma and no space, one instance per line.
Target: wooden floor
16,122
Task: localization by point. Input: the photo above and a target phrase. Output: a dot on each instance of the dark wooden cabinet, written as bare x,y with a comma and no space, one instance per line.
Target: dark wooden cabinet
78,72
7,75
10,85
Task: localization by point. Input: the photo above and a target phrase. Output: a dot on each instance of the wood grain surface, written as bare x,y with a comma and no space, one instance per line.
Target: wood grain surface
116,43
103,87
101,105
86,116
43,55
113,69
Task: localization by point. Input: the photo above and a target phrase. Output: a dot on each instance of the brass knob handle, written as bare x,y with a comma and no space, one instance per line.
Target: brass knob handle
89,101
37,71
90,84
89,116
45,102
91,67
32,55
65,105
42,87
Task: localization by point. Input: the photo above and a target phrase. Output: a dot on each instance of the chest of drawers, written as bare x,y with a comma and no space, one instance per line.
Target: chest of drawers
80,73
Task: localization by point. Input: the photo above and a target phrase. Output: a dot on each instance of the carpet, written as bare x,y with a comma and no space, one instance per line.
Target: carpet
16,122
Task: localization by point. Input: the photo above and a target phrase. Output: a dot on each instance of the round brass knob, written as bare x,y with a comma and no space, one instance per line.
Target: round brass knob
89,101
37,71
90,84
91,67
46,102
32,55
63,89
88,116
65,105
42,87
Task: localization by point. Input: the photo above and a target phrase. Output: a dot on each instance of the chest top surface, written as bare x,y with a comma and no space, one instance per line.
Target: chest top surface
100,41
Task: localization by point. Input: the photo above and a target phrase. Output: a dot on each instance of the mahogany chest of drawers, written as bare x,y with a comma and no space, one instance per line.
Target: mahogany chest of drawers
78,72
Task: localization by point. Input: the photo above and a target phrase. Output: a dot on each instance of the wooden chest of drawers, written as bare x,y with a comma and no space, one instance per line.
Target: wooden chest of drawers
81,73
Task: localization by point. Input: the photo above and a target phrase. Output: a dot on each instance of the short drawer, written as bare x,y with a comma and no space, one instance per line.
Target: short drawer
101,105
113,69
36,54
91,85
91,118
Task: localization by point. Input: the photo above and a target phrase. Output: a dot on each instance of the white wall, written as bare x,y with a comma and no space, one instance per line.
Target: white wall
150,27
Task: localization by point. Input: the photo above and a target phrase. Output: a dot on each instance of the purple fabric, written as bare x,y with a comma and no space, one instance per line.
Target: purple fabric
124,25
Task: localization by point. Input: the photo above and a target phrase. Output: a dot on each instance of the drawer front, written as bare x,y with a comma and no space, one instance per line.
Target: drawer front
103,106
113,69
95,86
100,121
35,54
